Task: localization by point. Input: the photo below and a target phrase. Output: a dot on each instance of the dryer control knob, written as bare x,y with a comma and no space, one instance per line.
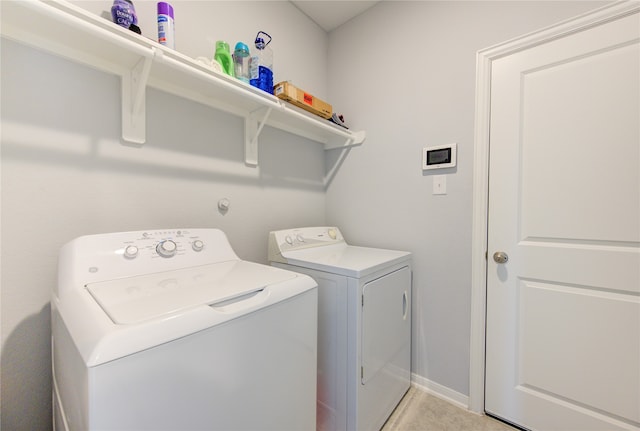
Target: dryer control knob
332,233
131,252
197,245
167,248
288,239
299,237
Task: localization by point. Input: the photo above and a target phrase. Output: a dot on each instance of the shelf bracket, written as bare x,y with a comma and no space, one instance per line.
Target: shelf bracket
335,144
134,84
252,128
356,139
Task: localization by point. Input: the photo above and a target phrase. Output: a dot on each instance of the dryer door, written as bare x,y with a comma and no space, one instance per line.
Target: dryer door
386,326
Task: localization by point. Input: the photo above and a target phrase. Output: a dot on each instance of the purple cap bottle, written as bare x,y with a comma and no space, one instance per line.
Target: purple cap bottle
166,29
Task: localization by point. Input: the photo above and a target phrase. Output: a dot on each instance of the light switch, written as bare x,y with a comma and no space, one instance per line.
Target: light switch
439,184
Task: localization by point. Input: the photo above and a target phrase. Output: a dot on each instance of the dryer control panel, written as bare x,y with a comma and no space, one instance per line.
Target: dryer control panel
300,238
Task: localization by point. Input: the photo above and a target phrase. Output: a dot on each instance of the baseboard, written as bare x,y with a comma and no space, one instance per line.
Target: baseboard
440,391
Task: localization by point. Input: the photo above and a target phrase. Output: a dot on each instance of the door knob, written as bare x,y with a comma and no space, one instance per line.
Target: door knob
500,257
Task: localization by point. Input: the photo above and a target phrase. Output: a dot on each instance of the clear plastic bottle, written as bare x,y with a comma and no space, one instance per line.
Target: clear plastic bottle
241,59
261,64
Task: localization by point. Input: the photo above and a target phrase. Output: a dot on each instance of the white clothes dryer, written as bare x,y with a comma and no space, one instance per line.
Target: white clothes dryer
170,330
364,324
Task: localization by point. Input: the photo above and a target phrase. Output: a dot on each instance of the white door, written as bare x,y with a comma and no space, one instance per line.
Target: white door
563,313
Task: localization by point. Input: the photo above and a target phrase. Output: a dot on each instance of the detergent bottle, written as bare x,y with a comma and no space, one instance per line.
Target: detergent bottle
124,14
223,56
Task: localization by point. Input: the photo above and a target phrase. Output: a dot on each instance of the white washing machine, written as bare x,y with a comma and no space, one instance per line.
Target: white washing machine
170,330
364,324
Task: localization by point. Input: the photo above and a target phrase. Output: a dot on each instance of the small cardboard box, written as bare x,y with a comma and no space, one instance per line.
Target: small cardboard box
306,101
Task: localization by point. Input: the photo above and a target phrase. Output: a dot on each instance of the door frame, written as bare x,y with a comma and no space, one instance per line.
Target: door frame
484,61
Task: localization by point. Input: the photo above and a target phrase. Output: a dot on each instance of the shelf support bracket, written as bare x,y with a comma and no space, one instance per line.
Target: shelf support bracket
336,144
252,127
134,84
356,139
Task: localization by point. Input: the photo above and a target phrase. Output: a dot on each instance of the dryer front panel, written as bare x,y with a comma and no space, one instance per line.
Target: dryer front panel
386,326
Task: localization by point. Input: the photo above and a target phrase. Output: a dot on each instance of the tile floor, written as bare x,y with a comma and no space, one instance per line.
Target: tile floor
420,411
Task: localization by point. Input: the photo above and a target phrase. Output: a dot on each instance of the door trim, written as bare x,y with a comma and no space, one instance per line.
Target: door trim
484,61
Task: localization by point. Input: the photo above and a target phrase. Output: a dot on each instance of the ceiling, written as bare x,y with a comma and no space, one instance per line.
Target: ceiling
332,14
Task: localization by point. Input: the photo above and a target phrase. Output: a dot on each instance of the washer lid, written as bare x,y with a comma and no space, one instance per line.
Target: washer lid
136,299
343,259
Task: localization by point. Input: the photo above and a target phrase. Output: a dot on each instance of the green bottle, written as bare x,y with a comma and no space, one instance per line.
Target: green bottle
223,56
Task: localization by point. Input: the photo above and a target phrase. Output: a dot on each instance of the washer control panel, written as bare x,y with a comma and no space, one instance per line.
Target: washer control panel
122,254
165,244
300,238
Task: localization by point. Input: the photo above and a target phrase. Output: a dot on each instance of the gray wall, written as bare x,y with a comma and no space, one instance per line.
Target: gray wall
405,72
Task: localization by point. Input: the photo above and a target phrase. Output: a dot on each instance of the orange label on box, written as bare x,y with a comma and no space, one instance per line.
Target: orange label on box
308,99
302,99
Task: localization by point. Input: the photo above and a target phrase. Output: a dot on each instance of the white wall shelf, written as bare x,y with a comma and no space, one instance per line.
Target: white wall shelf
68,31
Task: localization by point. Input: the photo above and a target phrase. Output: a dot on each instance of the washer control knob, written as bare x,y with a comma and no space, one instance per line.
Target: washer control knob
197,245
288,239
167,248
131,252
332,233
299,237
